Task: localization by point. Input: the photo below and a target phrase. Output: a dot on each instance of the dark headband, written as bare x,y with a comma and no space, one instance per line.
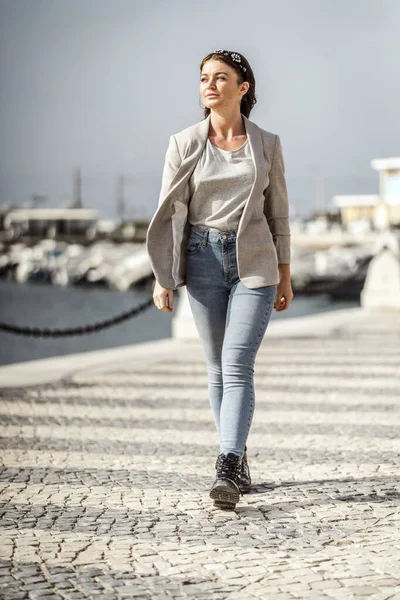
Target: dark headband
233,56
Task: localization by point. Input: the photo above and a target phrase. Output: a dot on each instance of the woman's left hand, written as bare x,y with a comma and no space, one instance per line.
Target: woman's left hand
284,295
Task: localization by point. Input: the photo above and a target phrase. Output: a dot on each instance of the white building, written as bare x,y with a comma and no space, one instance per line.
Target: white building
381,209
51,222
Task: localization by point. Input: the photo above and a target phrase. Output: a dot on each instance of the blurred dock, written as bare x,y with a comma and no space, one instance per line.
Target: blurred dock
108,457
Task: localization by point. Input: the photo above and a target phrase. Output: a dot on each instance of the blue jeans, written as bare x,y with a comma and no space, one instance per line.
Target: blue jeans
231,320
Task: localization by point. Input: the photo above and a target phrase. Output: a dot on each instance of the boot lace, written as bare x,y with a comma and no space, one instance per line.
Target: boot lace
228,466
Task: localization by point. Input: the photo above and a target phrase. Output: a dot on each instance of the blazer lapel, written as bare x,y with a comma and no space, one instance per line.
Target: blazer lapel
254,136
194,149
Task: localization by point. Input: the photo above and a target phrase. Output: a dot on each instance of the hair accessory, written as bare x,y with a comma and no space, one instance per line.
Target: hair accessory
234,56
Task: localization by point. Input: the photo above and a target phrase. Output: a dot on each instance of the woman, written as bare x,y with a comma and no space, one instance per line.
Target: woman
222,229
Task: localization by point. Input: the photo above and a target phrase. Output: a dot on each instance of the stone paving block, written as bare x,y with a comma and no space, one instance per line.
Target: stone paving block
364,590
325,584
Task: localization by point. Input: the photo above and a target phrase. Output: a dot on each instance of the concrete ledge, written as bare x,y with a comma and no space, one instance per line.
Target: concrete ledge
49,370
318,325
36,372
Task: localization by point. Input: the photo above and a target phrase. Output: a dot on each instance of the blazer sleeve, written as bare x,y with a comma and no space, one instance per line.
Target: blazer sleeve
172,163
276,205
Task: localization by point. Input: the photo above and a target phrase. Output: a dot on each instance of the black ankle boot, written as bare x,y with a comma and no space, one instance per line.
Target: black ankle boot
244,477
225,489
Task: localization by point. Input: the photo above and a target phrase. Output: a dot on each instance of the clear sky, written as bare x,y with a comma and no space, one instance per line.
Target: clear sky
103,83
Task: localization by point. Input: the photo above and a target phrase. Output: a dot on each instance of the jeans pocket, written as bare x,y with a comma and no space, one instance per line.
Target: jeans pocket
193,244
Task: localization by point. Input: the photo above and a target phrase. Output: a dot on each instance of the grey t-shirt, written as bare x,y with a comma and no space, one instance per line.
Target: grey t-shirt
219,187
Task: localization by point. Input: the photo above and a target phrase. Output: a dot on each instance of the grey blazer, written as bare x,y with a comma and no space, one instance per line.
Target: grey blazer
263,235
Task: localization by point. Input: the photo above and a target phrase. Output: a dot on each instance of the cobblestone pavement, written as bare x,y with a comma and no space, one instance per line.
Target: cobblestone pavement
105,479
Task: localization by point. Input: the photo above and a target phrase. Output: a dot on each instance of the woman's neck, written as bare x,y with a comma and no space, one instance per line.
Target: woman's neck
226,126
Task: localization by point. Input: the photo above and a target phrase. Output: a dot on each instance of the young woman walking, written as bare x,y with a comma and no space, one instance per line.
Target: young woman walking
222,229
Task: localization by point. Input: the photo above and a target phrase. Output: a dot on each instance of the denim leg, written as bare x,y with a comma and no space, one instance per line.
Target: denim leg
249,311
208,299
209,312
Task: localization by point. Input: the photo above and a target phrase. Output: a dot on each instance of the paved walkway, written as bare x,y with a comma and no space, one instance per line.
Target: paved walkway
105,477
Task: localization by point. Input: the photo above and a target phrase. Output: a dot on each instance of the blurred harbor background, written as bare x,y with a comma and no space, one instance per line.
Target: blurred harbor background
66,267
51,307
83,145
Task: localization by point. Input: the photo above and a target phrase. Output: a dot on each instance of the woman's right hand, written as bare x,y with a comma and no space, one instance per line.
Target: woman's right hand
160,296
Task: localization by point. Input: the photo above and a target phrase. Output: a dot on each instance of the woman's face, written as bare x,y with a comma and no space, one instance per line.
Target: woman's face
220,79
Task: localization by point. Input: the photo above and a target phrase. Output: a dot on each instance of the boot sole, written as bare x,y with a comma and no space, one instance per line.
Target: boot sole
224,497
245,488
223,505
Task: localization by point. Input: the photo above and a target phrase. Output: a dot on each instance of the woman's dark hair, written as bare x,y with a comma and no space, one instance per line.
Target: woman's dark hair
249,99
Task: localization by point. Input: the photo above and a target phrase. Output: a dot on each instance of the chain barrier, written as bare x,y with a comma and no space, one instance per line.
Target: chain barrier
85,329
53,333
